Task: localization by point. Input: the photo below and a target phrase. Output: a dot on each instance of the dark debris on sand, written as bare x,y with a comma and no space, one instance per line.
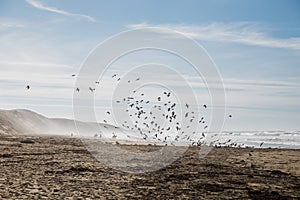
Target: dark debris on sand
61,168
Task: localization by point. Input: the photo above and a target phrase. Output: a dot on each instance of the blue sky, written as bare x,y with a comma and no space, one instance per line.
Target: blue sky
255,44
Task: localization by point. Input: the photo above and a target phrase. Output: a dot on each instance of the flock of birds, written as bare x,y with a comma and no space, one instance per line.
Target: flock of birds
163,121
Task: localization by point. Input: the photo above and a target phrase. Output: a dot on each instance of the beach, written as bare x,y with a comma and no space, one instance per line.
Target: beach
52,167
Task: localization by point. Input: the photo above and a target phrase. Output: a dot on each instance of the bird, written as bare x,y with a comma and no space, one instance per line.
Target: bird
229,116
77,89
28,87
91,89
186,114
205,106
261,144
73,75
114,75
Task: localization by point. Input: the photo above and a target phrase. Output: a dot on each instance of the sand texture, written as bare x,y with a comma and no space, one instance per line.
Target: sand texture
62,168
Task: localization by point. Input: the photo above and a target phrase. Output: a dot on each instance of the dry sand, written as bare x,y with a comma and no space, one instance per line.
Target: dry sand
62,168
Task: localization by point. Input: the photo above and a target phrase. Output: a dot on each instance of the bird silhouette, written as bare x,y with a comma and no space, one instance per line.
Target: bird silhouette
261,144
91,89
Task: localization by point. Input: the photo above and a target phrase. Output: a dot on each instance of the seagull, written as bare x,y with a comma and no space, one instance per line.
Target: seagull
186,114
91,89
261,144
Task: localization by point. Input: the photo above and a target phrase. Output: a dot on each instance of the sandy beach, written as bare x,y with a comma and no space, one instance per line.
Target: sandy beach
62,168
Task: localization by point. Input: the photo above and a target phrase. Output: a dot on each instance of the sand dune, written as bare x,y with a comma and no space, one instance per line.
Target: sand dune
26,122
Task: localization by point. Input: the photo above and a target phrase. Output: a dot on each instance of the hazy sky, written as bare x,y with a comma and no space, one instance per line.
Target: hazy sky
255,44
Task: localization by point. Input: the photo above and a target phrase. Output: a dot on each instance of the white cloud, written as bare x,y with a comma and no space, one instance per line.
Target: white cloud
241,32
40,6
10,24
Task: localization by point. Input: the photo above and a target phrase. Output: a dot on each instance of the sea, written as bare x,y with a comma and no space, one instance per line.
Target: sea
263,139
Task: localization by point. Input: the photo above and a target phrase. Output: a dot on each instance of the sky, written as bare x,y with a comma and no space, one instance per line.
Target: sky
255,45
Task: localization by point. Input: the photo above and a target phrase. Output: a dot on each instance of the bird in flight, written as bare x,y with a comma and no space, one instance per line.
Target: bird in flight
205,106
261,144
77,89
27,87
91,89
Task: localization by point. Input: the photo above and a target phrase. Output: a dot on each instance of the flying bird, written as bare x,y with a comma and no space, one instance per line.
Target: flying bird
261,144
28,87
91,89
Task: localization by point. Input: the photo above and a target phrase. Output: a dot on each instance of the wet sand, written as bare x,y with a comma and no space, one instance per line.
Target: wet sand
62,168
